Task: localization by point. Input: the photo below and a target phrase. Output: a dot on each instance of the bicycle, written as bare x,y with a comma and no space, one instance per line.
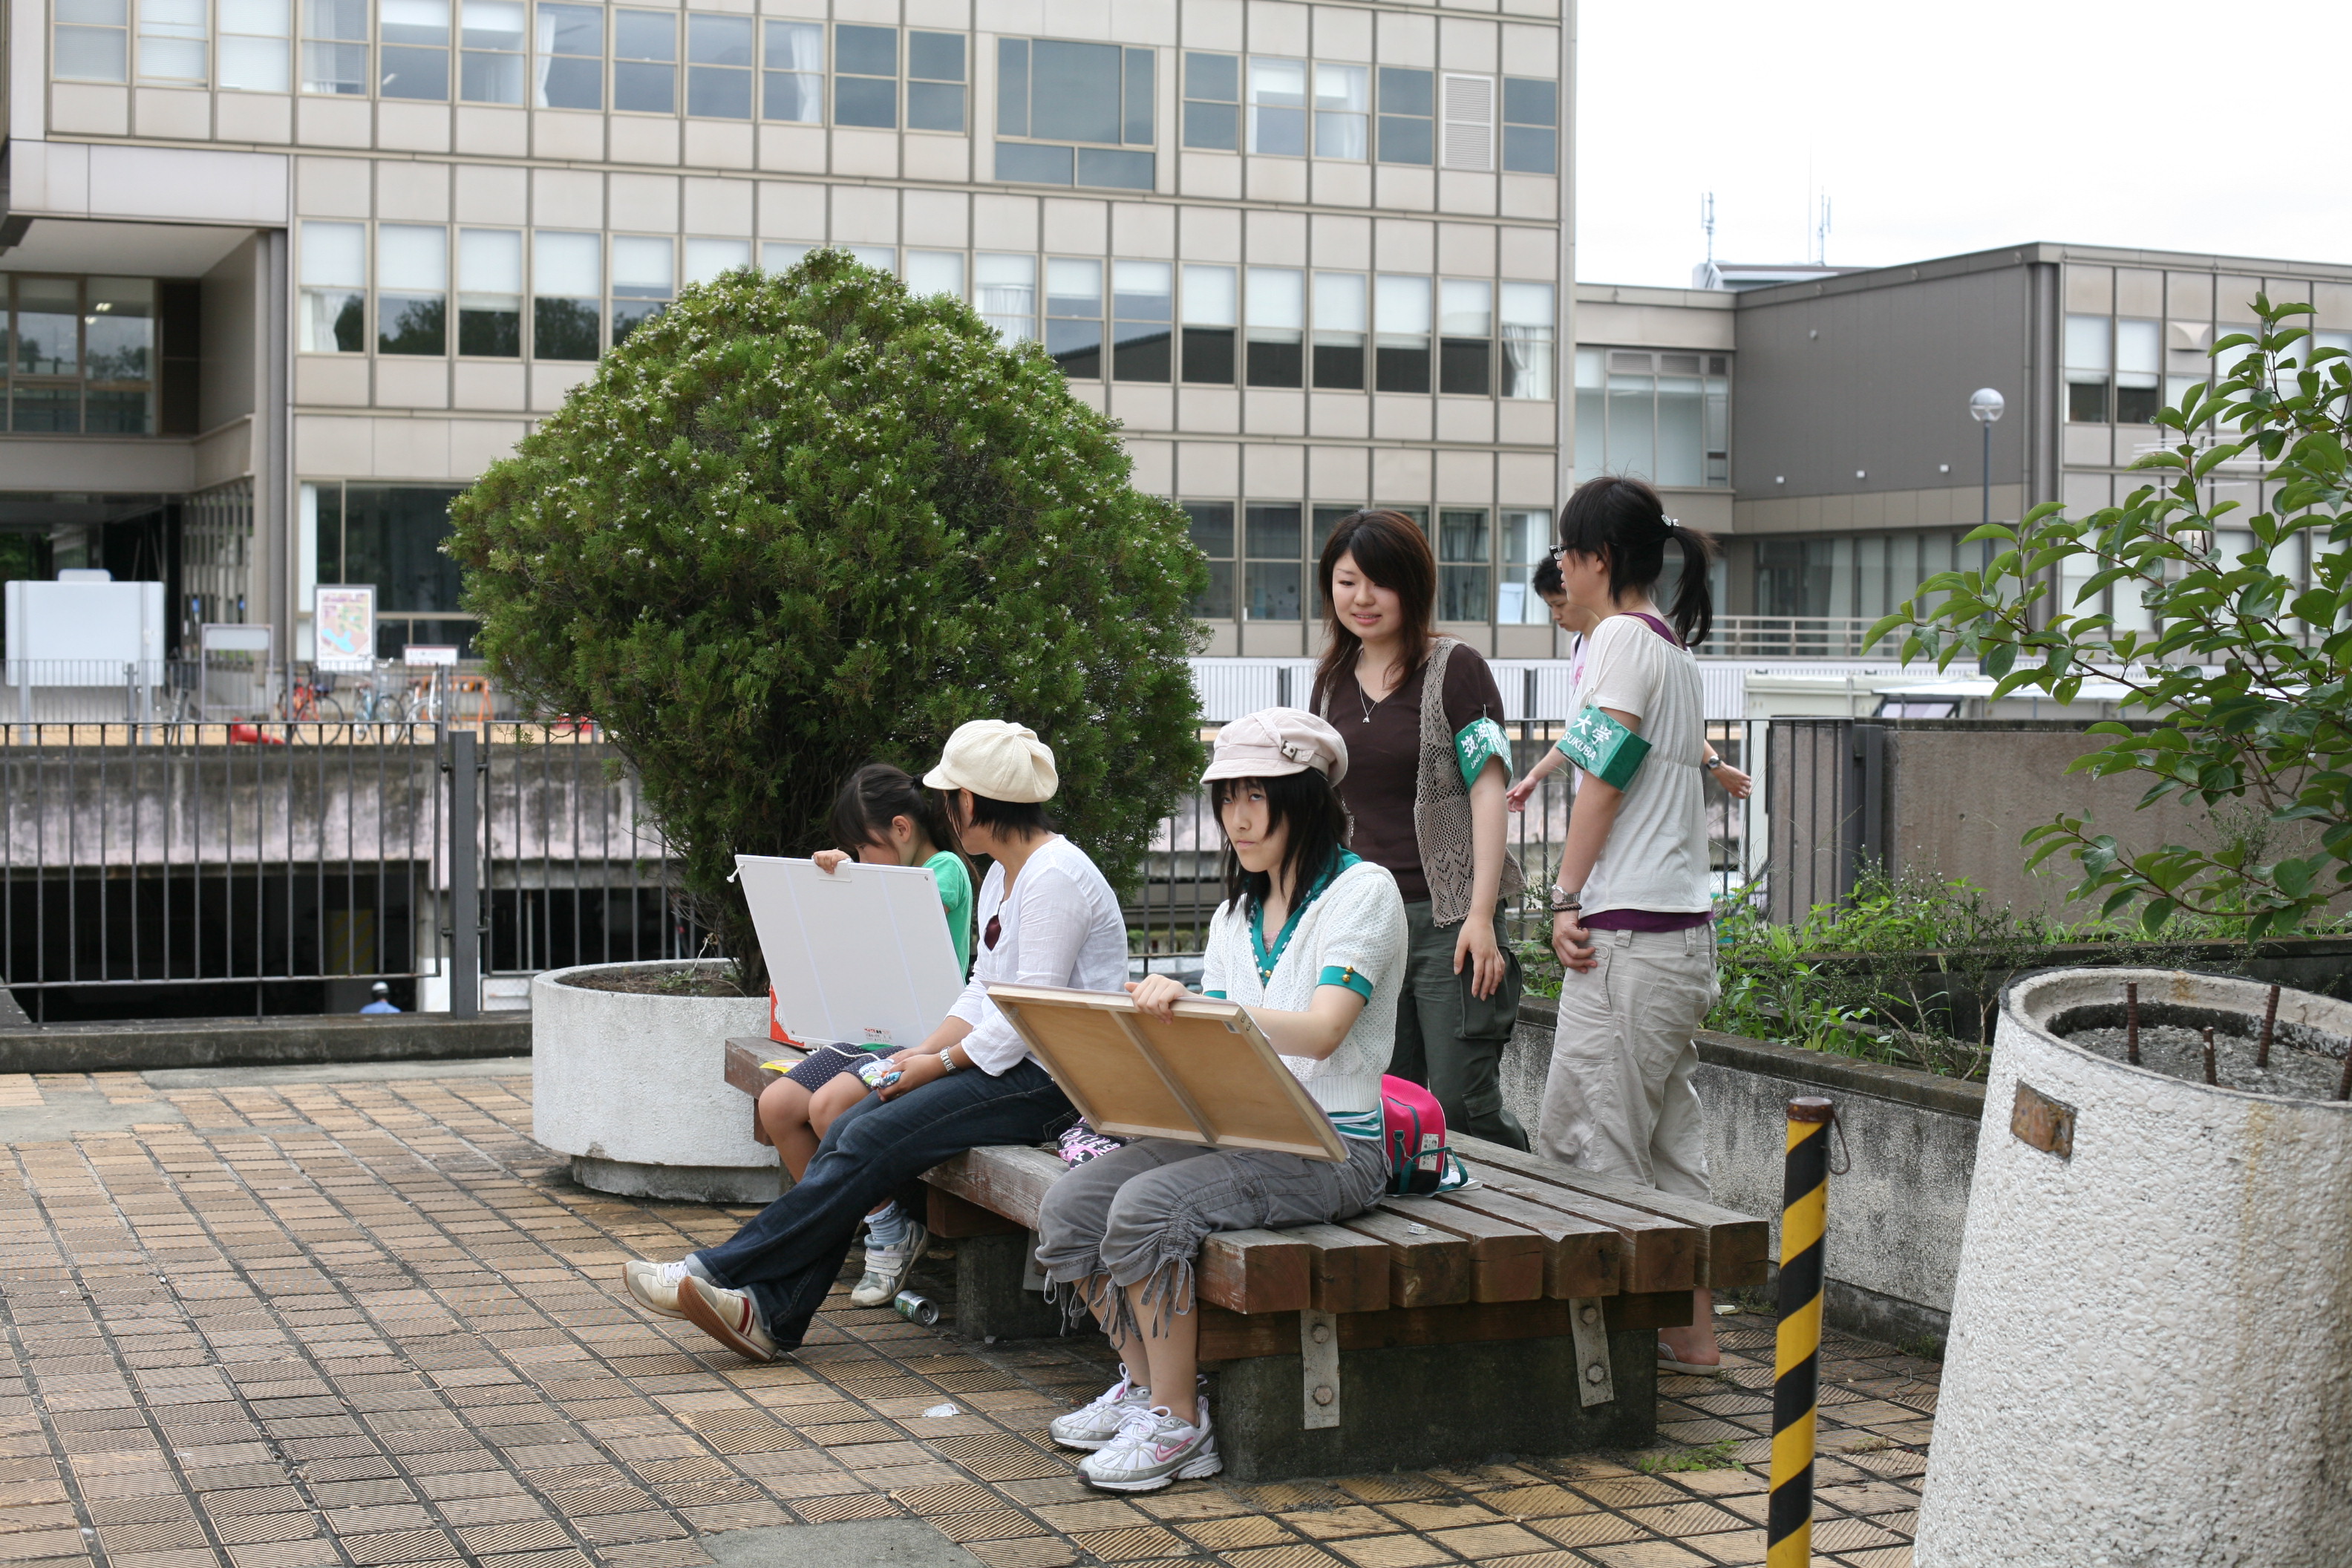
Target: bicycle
312,703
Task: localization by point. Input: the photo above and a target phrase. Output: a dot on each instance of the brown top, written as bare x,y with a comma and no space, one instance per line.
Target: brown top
1384,759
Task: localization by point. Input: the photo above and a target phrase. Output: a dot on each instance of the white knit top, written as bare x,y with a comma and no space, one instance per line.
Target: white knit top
1350,933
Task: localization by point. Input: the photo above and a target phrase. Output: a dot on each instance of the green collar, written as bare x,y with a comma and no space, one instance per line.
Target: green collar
1268,957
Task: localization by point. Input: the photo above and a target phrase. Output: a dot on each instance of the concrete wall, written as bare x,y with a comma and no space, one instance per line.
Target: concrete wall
231,328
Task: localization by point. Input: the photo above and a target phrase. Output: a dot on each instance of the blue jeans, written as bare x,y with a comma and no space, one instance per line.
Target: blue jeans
788,1256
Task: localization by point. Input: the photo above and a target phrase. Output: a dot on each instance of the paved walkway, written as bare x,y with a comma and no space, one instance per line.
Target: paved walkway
257,1320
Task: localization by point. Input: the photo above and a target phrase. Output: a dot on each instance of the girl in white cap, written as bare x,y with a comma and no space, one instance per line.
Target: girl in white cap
1312,940
1046,918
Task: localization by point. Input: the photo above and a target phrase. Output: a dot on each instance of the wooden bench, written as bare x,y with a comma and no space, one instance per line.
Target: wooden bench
1518,1316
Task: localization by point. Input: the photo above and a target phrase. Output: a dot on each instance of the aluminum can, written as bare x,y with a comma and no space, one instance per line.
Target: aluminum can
915,1309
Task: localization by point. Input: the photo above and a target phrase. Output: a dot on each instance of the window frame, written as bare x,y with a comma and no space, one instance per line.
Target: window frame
1130,163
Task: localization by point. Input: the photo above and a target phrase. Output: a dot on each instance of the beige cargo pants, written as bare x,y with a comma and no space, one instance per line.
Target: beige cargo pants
1620,1100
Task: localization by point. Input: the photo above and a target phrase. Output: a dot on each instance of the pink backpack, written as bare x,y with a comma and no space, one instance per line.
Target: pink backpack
1413,1129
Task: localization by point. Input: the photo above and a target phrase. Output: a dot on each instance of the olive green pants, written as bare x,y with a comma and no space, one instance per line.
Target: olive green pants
1451,1042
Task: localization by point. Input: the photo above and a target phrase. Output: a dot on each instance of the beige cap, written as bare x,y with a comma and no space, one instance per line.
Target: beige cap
1003,762
1272,741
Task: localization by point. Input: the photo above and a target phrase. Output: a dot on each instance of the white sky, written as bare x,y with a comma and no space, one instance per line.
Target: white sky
1938,129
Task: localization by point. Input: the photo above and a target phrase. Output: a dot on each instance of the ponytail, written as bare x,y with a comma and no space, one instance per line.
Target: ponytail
1623,522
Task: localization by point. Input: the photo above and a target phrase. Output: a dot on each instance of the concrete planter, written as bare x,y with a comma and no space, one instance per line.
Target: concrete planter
630,1085
2151,1350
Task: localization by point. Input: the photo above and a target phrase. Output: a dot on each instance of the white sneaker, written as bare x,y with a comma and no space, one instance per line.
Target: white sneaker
887,1267
1096,1424
654,1285
1151,1449
728,1316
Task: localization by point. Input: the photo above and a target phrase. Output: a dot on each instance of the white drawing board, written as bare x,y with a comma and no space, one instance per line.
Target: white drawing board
1209,1076
860,953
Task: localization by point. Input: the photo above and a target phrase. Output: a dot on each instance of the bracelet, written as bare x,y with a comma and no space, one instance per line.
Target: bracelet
948,1063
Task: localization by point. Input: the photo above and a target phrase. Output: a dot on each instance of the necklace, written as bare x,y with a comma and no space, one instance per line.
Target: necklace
1365,699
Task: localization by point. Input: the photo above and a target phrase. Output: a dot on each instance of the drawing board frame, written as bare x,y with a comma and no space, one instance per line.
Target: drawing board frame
860,954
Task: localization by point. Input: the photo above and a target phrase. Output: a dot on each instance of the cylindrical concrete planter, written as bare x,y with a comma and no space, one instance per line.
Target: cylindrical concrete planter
2151,1352
632,1086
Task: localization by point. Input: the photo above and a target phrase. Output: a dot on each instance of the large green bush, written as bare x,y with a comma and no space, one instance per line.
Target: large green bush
801,521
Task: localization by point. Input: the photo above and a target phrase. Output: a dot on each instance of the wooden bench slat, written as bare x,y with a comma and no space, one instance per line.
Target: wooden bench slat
1581,1256
1231,1336
1733,1249
1506,1260
1657,1254
1426,1269
1346,1272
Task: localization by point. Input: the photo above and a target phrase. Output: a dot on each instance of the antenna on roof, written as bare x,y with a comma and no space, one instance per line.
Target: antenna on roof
1821,234
1707,221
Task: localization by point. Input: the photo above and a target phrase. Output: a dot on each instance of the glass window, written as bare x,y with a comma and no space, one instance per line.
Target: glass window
1527,340
645,61
2139,364
1277,107
1530,126
1213,535
719,67
1682,433
1591,414
48,327
1275,576
935,272
645,278
866,76
1401,334
119,356
793,85
1142,313
781,256
1212,102
1632,415
1343,101
567,289
1277,322
335,46
92,40
489,292
2088,360
881,258
1007,286
1074,315
1526,538
1322,520
1466,337
707,260
1339,308
1408,116
1211,314
570,63
334,288
173,41
1054,91
412,289
1464,573
1718,419
490,37
934,78
253,47
392,538
414,56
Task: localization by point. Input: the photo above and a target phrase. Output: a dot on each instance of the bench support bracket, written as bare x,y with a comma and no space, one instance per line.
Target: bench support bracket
1318,1350
1586,1322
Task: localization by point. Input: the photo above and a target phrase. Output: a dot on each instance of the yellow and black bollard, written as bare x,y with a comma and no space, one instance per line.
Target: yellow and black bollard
1796,1379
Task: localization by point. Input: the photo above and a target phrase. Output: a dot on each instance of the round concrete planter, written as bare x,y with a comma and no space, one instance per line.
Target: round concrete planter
2151,1352
631,1086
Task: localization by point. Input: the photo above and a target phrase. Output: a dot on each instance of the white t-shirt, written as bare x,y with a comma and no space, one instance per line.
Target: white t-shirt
1657,856
1060,926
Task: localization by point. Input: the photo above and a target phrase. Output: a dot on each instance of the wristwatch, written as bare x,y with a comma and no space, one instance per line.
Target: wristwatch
1712,763
1561,903
947,1062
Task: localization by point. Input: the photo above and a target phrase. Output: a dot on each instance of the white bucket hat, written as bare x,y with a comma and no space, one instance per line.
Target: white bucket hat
1001,761
1272,741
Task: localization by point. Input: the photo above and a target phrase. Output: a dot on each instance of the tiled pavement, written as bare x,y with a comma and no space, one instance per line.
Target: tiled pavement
317,1324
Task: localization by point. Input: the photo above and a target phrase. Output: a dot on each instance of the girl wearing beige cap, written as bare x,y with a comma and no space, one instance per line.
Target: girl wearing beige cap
1312,940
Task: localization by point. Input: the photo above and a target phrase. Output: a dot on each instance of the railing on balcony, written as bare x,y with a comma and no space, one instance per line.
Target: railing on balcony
1793,637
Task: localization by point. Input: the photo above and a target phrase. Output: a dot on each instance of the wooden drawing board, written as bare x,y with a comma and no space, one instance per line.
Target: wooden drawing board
860,954
1210,1077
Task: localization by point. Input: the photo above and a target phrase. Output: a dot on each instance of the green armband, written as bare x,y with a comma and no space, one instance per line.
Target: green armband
1603,748
1478,741
1348,978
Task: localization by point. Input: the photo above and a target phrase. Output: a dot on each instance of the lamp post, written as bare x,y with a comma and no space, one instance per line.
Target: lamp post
1984,406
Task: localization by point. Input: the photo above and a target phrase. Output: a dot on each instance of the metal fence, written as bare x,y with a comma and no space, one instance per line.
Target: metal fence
227,685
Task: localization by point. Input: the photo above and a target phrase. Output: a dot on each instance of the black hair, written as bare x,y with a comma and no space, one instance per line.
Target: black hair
876,793
1304,802
1623,522
1390,549
1013,818
1548,583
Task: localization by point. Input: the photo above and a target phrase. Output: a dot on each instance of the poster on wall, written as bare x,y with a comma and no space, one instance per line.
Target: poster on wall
345,627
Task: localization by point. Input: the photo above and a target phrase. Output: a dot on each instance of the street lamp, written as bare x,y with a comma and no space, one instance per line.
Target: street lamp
1984,406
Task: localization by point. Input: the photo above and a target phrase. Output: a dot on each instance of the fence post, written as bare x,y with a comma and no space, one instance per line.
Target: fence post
1796,1381
465,930
1870,836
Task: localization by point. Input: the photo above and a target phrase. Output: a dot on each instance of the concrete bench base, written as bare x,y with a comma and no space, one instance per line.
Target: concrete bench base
682,1184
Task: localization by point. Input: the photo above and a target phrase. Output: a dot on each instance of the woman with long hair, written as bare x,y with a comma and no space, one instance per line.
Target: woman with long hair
1632,906
1428,767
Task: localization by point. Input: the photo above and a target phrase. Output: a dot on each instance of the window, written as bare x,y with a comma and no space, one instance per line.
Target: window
335,47
2139,364
1277,107
1008,294
334,288
719,65
933,272
2087,363
780,256
1466,337
792,87
489,292
119,356
1322,520
645,279
866,76
1469,128
92,41
1074,315
567,287
412,289
1463,570
1141,311
414,56
47,345
934,78
1408,123
1211,314
1530,126
1717,431
1339,331
1529,347
390,535
645,61
173,41
881,258
490,38
253,47
1278,321
82,357
570,57
1525,539
1343,100
1682,442
1401,334
1212,102
1663,417
707,261
1276,539
1052,97
1213,536
1632,415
